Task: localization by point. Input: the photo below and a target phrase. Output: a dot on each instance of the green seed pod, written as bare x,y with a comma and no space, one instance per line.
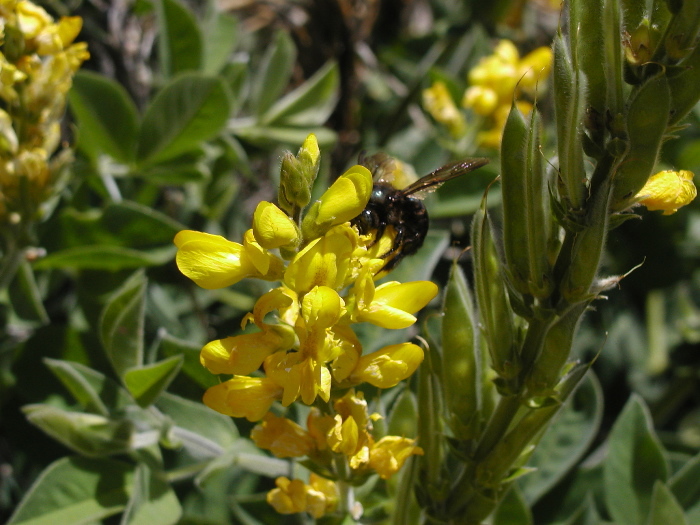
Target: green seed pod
613,57
586,44
546,372
684,87
525,205
513,188
461,358
498,327
587,247
646,120
569,106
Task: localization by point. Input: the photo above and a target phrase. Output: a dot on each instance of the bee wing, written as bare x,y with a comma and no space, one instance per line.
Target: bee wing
380,165
435,179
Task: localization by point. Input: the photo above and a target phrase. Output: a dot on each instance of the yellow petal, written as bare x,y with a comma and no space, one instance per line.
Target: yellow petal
389,454
241,354
386,367
289,497
394,303
321,308
346,197
210,260
248,397
283,437
668,191
273,228
325,261
268,266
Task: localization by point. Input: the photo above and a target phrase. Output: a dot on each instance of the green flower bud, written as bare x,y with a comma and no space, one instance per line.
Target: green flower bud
297,176
646,120
461,358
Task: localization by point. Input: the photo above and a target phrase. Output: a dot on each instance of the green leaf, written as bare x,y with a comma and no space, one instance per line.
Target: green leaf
513,509
272,136
93,390
685,484
209,429
310,104
566,440
172,346
273,72
153,501
189,110
105,257
222,36
79,491
148,382
665,509
180,40
25,295
87,434
634,463
107,118
122,323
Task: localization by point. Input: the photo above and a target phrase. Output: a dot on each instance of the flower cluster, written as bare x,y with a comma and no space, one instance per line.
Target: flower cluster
37,62
303,346
494,83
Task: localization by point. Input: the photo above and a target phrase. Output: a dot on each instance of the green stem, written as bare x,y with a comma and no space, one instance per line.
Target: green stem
497,426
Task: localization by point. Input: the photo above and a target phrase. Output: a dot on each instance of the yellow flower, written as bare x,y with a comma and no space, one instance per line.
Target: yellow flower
482,99
31,19
273,228
325,261
214,262
438,102
386,367
389,454
668,191
292,496
248,397
304,373
534,68
283,437
343,201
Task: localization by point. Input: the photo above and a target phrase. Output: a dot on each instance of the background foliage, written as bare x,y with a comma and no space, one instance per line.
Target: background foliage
180,119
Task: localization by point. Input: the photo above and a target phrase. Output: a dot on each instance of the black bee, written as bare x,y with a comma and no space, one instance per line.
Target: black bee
402,208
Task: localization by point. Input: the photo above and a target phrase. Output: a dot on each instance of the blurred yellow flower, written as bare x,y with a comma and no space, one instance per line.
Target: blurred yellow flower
668,191
389,454
283,437
292,496
438,102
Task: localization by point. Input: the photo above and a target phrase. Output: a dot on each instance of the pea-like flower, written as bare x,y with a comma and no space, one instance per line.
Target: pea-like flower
668,191
439,103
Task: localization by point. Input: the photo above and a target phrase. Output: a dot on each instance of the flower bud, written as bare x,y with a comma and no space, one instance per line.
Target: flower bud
297,175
